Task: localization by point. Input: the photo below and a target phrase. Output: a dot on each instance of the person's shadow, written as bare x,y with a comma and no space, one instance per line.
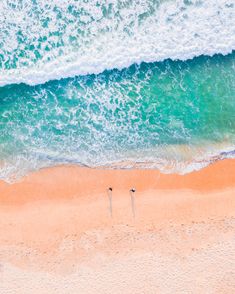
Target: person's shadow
110,192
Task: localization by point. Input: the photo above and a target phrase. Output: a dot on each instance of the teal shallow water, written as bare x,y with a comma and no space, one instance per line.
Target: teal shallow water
116,83
169,115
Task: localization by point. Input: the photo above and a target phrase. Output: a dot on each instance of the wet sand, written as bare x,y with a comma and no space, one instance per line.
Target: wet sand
62,231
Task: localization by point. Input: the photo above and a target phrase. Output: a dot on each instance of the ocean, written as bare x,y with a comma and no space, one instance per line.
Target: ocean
116,84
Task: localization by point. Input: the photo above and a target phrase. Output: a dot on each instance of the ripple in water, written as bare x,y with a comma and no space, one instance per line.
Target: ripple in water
176,116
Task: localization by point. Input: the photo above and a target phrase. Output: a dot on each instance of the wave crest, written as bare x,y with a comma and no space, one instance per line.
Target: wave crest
43,41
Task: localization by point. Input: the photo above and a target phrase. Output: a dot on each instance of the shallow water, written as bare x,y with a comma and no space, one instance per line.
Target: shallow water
175,115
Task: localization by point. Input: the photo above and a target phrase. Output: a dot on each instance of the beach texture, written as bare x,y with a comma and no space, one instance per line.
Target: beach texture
62,231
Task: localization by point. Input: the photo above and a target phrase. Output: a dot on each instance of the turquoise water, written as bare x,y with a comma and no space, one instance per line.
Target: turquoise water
174,115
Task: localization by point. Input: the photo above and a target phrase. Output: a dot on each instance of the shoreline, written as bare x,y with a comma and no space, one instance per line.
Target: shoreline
58,234
218,175
218,152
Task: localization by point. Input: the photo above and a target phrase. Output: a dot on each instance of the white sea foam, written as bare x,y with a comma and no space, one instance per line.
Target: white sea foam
107,34
189,159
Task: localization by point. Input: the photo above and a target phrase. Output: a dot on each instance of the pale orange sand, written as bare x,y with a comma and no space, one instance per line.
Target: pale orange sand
176,235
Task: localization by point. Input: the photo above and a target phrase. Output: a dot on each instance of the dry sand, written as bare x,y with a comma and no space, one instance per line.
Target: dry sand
62,232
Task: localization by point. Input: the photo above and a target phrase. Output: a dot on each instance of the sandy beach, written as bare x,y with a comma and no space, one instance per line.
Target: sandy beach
62,231
117,147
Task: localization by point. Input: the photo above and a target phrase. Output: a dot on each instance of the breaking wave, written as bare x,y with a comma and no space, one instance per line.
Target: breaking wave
46,40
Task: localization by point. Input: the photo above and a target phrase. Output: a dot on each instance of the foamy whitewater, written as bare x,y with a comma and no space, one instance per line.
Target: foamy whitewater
116,84
45,40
